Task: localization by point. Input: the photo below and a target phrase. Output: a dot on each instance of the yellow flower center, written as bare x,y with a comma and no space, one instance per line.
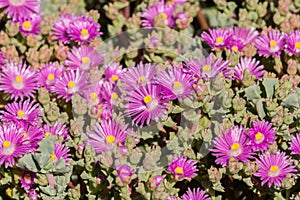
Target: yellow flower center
170,1
93,95
234,48
19,79
148,99
297,45
258,136
178,170
26,25
6,144
235,146
85,60
206,68
274,168
27,177
219,40
110,139
20,113
47,134
114,77
50,77
114,95
273,43
52,156
24,135
84,32
142,79
71,84
177,84
164,15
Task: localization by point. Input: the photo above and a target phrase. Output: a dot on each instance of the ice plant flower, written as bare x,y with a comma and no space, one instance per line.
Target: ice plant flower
11,146
18,80
273,168
293,43
295,144
21,112
124,173
252,65
217,38
262,135
1,60
182,168
30,25
58,129
270,44
83,57
48,75
92,94
107,135
60,152
32,135
27,179
109,93
195,194
113,72
16,9
232,143
71,82
61,28
145,104
245,35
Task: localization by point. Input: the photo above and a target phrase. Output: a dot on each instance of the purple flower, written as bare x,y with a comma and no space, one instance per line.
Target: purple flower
145,104
33,195
232,143
30,25
60,152
11,145
109,93
273,168
17,9
32,135
295,144
195,194
158,180
48,75
18,80
58,129
107,135
1,60
245,36
250,64
113,72
270,44
293,43
19,112
61,27
27,179
217,38
84,58
182,168
72,82
92,94
124,173
262,135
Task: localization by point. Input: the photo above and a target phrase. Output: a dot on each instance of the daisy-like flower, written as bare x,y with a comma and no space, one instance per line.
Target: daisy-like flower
270,44
58,129
195,194
208,68
295,144
16,9
18,80
84,58
113,72
30,25
109,93
140,75
1,60
145,104
182,168
27,179
92,94
178,82
32,194
83,29
48,75
217,38
293,43
32,135
25,112
107,135
262,135
232,143
70,83
60,152
273,168
11,146
61,28
245,35
158,15
250,64
124,173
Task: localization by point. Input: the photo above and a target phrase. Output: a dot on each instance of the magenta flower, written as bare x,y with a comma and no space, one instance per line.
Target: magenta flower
22,112
11,146
107,135
60,152
295,144
262,135
182,168
17,9
32,194
217,38
48,75
293,43
84,58
92,94
109,93
124,173
273,168
58,130
72,82
232,143
30,25
270,44
1,60
18,80
61,27
250,64
245,36
32,135
145,104
113,72
195,194
27,179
